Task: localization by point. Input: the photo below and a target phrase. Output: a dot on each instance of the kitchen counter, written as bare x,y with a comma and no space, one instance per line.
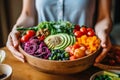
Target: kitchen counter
23,71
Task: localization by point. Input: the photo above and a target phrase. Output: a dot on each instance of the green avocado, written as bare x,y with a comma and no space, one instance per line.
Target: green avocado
64,41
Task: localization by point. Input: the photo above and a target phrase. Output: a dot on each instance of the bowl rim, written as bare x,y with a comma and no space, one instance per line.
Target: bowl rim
96,73
24,53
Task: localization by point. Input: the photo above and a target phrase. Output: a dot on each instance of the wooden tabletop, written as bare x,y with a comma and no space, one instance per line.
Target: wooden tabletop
23,71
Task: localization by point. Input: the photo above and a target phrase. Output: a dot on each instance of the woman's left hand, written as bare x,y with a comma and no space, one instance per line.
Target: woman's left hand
102,30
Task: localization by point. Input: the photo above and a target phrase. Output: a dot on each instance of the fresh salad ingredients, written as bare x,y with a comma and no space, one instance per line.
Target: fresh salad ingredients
86,42
79,31
57,27
86,36
58,54
59,41
90,42
76,51
107,76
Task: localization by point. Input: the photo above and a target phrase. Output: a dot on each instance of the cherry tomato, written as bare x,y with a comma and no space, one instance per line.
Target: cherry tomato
72,57
90,33
24,38
78,34
90,29
41,38
79,53
83,30
75,46
30,33
77,26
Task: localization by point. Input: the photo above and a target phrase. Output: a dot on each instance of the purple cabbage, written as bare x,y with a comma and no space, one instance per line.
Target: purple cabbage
36,48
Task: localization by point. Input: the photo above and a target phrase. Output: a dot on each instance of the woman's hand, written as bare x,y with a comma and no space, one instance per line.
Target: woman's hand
13,42
13,38
102,30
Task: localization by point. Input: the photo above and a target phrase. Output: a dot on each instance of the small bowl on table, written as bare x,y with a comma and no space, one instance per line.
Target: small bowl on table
5,72
106,75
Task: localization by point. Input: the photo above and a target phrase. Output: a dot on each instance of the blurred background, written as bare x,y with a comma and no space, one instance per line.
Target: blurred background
10,11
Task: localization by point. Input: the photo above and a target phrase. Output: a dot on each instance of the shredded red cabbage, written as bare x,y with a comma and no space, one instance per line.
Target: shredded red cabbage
36,48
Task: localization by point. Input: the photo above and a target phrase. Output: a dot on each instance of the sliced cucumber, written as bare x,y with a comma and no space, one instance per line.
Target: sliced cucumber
111,74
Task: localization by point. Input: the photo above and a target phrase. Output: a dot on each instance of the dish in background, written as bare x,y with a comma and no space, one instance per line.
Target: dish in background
2,55
111,74
6,71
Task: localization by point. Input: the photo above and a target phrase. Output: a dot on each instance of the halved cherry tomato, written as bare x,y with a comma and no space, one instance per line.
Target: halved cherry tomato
83,30
24,38
30,33
78,33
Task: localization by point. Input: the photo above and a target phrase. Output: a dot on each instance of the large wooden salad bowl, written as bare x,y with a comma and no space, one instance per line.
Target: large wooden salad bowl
60,67
59,47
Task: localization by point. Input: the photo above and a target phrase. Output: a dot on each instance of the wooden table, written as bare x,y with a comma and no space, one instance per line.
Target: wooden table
23,71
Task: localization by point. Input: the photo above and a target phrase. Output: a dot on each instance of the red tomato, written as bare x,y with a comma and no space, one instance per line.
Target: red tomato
41,38
77,26
30,33
24,38
83,30
90,29
72,57
78,34
75,46
90,33
79,53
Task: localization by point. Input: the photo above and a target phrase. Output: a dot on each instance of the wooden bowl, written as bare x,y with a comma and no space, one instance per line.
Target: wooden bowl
60,67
